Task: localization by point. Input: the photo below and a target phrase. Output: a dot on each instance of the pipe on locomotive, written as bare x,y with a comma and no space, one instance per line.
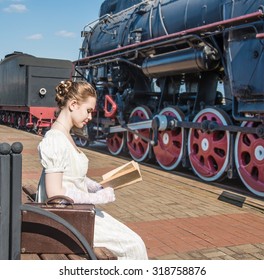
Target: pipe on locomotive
182,61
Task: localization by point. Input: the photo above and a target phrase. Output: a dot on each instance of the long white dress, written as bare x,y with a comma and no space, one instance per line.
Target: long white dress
57,154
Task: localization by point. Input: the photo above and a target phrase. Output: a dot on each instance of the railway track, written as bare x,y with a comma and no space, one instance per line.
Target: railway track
229,190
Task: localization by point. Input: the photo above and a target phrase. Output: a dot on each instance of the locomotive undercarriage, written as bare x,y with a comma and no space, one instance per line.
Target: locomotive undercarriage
177,131
191,117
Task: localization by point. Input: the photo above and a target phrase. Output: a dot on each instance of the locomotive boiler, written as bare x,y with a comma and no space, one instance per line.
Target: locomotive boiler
180,81
27,90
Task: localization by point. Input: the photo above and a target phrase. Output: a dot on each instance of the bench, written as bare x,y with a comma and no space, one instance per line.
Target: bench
22,235
62,243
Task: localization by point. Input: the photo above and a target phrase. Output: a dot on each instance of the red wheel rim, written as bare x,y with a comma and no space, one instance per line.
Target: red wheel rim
138,147
249,158
168,151
115,143
209,152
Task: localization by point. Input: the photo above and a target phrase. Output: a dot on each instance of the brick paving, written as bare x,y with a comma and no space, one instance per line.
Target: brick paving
178,218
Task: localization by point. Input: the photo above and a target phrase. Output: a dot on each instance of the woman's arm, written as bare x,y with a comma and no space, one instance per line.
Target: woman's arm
53,182
100,197
92,186
54,187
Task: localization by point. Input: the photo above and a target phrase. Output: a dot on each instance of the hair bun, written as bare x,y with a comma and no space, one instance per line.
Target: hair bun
63,88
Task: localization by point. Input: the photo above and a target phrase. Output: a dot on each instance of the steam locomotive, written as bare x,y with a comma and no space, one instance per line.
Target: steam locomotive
181,82
27,90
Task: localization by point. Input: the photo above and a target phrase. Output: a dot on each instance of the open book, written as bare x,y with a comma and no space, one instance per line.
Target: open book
122,176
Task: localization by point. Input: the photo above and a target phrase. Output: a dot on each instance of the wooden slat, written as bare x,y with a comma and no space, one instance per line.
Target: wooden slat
53,257
30,257
103,253
77,257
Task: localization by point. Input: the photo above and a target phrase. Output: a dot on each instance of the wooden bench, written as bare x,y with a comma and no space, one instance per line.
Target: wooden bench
55,250
15,204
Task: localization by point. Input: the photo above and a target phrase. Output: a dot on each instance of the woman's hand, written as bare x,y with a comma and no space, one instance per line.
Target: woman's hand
92,186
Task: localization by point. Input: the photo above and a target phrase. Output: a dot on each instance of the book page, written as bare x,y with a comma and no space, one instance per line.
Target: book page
124,175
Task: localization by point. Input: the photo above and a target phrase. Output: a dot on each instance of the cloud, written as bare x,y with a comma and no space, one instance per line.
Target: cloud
65,34
16,8
35,37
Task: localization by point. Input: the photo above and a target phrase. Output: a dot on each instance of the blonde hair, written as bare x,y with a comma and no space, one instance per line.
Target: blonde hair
68,90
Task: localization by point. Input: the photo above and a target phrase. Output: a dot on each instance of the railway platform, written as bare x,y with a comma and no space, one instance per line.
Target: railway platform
179,218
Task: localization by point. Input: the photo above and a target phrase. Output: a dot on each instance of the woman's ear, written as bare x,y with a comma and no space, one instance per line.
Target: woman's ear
73,105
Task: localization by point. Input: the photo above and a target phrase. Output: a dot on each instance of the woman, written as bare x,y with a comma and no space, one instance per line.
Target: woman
65,168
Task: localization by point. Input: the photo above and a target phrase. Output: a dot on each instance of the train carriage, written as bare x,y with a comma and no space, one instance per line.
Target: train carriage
27,89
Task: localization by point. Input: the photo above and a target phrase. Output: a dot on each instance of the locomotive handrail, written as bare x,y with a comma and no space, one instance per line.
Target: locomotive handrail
115,60
90,23
219,24
114,15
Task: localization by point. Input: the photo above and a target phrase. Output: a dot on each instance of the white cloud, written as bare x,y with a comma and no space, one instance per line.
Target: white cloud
35,37
16,8
66,34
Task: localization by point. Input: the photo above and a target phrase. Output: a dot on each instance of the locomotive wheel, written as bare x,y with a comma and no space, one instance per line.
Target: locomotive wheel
249,159
115,143
169,149
9,120
82,142
139,148
18,122
209,151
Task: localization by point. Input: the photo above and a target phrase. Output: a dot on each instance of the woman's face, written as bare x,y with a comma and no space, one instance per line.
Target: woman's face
82,112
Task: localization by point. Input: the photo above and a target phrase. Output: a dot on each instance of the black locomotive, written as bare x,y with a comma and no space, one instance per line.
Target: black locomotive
27,90
180,81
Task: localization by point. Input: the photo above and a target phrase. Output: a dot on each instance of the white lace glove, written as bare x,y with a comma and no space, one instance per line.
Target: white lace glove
92,186
100,197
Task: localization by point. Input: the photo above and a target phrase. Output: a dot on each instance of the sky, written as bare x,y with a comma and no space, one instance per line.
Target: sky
45,28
